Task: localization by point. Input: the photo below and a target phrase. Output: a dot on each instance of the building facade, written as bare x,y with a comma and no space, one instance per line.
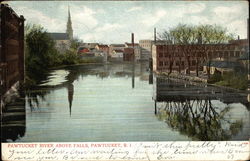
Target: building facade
192,57
137,50
113,47
128,54
145,49
63,40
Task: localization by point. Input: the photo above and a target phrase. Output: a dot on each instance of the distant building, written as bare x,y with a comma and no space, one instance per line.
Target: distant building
62,41
128,54
69,30
101,47
179,57
137,50
113,47
90,46
221,66
146,49
103,50
117,55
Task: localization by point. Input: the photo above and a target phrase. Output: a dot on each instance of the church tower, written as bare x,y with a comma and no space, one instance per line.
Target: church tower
69,30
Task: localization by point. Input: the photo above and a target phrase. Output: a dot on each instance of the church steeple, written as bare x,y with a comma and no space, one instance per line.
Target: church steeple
69,26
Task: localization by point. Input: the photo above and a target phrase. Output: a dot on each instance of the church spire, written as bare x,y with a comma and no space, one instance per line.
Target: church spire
69,26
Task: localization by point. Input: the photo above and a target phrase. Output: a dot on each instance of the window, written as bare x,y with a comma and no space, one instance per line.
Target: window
193,62
231,54
161,63
160,54
237,53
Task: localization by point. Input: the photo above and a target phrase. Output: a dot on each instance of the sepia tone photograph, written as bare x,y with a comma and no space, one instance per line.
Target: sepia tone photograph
124,71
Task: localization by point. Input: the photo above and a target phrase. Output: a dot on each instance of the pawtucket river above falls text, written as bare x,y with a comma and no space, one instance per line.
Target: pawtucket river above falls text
123,102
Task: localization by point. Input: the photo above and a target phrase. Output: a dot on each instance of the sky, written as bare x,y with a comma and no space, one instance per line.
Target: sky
113,21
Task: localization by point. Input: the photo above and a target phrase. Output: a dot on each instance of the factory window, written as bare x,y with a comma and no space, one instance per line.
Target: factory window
161,63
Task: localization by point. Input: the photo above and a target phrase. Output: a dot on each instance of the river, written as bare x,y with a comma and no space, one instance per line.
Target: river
122,102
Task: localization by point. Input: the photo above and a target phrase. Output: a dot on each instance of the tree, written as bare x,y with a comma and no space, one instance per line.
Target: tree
40,51
188,35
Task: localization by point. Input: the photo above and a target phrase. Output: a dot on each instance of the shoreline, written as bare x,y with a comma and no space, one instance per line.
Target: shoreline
198,80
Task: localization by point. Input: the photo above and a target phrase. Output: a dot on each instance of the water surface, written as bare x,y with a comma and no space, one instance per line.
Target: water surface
118,102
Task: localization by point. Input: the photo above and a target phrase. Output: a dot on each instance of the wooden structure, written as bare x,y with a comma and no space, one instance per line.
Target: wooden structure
11,49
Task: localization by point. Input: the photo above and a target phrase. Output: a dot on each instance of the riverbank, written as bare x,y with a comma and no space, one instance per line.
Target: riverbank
201,79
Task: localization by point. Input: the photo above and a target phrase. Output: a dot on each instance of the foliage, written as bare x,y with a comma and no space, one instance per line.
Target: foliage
70,57
216,77
195,34
190,34
75,43
234,80
40,51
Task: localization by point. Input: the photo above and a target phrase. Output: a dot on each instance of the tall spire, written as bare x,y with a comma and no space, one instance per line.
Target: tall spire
69,25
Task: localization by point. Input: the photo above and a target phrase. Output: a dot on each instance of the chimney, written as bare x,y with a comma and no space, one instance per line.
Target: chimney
238,37
133,45
248,29
155,35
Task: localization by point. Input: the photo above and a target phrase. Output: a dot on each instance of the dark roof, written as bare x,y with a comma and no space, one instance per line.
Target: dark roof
223,64
130,44
118,50
117,45
103,46
59,36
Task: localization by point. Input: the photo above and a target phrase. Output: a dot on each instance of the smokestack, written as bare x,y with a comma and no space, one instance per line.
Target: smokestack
132,39
238,37
155,35
248,29
133,45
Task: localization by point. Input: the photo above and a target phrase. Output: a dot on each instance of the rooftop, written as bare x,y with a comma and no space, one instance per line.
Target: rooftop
59,36
117,45
223,64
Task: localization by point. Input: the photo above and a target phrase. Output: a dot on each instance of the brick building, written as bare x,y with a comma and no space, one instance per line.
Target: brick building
137,50
128,54
192,57
113,47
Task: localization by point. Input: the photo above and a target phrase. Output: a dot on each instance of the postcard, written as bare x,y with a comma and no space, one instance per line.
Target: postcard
125,80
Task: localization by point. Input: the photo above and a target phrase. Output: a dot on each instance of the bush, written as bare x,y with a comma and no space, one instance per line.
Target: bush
69,58
40,53
234,80
216,77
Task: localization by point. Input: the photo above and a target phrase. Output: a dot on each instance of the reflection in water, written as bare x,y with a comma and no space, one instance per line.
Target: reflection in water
70,96
195,112
190,111
200,120
133,75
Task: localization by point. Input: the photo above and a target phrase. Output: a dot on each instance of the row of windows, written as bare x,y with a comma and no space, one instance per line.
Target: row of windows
176,63
220,54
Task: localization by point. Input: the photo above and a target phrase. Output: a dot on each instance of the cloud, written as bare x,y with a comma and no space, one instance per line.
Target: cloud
228,13
194,8
83,17
49,23
151,20
137,8
108,27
